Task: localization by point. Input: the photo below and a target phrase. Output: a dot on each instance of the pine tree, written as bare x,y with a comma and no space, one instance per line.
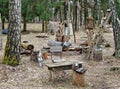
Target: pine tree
12,49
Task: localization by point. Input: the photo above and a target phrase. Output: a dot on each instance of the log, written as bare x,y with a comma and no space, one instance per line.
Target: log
78,79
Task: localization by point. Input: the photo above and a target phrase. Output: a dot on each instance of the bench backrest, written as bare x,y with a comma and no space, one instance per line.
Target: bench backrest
56,49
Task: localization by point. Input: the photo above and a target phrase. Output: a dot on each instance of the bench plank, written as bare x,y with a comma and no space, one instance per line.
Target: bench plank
63,65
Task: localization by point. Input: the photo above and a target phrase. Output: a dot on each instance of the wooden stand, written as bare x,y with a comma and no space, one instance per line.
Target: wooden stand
78,79
97,55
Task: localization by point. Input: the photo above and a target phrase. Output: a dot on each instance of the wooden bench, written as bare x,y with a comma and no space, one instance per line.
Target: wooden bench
61,66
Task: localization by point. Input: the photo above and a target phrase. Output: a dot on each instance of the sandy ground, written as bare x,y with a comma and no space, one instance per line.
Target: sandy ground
29,75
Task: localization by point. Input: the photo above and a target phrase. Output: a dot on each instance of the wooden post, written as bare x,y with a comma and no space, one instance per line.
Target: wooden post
78,79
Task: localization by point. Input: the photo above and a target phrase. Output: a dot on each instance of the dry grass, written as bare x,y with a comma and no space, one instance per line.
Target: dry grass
29,75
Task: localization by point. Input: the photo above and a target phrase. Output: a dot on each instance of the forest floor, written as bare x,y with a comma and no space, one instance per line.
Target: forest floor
29,75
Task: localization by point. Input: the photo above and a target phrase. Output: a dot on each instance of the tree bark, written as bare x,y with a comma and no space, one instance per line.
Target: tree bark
24,24
73,23
43,27
82,14
12,49
116,28
0,33
46,27
65,11
85,11
3,24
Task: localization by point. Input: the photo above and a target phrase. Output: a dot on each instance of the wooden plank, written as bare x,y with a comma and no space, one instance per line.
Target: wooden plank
56,49
62,65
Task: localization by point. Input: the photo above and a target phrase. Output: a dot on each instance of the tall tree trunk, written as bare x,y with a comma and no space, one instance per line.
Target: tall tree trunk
0,33
43,27
85,11
116,28
12,49
65,10
98,12
94,15
76,24
68,13
24,24
46,27
82,14
60,12
3,24
73,23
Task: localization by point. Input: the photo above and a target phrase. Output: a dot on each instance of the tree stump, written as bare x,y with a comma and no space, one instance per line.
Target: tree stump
34,56
97,55
78,79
